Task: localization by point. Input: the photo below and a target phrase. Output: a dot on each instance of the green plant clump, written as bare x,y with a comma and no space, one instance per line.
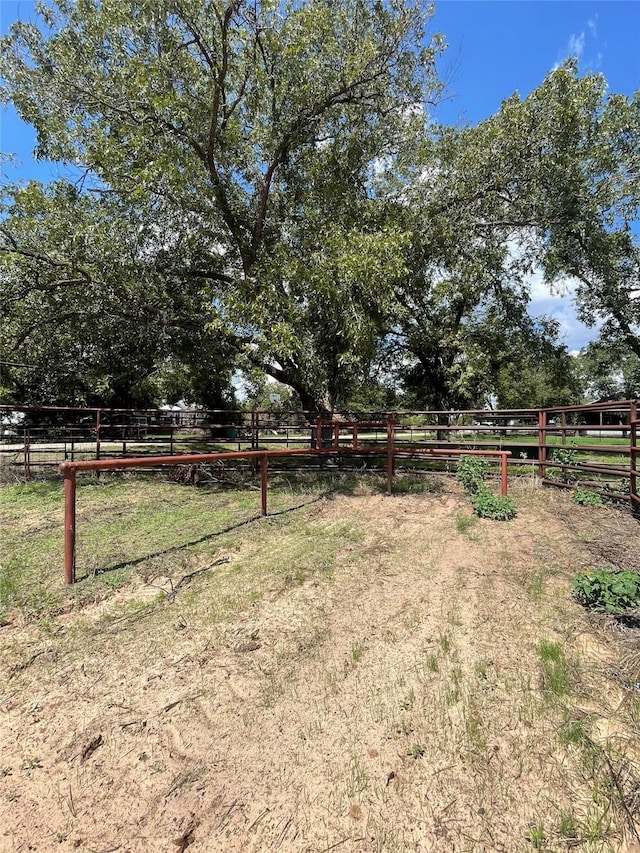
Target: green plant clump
585,497
566,456
488,505
612,591
471,472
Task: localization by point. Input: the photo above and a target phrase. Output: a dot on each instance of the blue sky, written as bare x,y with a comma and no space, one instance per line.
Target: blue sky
496,47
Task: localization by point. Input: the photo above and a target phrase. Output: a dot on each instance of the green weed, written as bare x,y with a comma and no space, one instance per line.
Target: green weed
568,826
358,778
471,472
432,663
357,651
585,497
566,456
536,835
487,505
555,675
445,644
537,584
480,669
464,523
573,732
475,731
612,591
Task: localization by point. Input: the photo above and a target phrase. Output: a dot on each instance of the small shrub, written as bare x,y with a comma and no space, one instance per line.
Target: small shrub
488,505
565,456
471,472
585,497
612,591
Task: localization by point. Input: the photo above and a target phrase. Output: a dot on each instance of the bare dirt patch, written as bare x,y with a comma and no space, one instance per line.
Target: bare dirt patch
384,693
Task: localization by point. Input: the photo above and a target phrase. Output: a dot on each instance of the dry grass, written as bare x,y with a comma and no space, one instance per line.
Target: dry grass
363,674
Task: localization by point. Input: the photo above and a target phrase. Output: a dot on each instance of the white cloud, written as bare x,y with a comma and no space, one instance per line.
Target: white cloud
575,46
556,301
577,43
559,302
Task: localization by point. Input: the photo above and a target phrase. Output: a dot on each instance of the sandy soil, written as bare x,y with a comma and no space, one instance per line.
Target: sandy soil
395,705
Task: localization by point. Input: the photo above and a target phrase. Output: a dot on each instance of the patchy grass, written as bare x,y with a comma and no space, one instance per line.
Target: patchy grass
131,529
555,676
351,669
465,523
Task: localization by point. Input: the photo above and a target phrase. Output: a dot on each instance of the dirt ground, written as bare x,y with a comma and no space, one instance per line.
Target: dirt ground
394,702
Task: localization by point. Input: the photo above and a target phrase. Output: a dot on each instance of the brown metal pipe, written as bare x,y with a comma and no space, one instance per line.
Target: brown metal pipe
503,474
434,451
263,482
69,471
390,449
70,526
633,454
542,448
182,459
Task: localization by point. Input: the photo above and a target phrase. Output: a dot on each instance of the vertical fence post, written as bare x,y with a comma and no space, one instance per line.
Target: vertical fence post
542,444
503,474
27,455
319,434
254,431
355,436
69,525
633,455
390,451
98,419
263,483
254,442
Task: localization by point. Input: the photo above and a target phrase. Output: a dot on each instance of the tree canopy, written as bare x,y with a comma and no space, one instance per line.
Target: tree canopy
263,189
235,123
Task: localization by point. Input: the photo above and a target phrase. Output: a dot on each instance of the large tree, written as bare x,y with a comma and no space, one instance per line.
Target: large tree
549,183
609,371
225,120
560,178
281,158
100,306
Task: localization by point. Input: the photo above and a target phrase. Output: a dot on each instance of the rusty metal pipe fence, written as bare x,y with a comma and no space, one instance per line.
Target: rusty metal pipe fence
600,436
594,446
69,470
